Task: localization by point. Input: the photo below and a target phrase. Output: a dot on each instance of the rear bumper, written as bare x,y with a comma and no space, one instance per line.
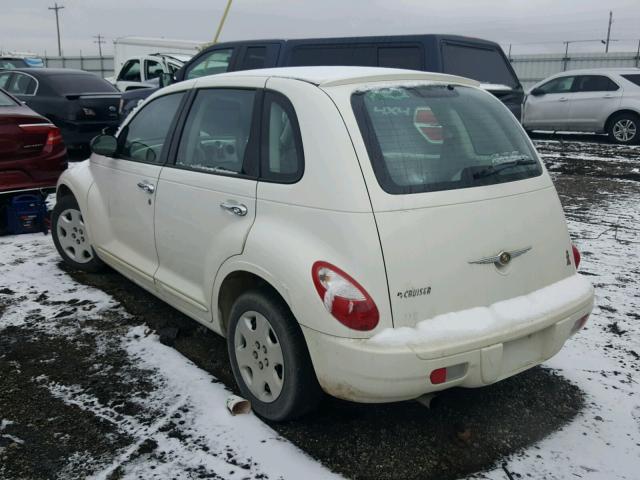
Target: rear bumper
365,371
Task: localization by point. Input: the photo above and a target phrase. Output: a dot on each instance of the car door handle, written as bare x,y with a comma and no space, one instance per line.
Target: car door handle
147,187
235,208
563,99
607,96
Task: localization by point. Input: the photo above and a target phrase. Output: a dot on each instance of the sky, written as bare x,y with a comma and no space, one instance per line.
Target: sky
529,26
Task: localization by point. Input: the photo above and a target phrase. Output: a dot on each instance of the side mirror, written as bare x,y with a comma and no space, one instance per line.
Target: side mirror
537,92
106,145
109,131
165,79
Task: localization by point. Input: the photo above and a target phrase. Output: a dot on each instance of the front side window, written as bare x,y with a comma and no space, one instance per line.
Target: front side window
217,131
211,63
131,71
594,83
145,135
153,69
558,85
282,157
441,137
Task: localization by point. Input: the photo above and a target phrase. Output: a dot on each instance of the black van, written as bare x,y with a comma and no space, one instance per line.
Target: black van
481,60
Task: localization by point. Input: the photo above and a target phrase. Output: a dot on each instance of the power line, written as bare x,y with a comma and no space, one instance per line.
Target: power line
56,8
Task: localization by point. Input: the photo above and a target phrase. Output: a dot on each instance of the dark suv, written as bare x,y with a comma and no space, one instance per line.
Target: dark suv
474,58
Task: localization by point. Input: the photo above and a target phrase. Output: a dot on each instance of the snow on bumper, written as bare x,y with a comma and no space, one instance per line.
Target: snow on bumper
480,346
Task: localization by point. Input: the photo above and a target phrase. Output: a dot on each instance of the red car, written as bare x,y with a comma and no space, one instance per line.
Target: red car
32,153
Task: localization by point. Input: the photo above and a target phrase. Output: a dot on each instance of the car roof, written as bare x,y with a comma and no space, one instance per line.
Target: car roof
345,75
592,71
44,72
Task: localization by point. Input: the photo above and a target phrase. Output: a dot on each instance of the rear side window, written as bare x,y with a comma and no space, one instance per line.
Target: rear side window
400,57
438,137
356,55
144,136
216,61
594,83
282,157
254,57
487,65
153,69
633,78
22,84
130,72
67,83
217,131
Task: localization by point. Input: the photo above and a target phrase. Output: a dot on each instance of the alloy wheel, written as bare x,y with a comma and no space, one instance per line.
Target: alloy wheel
624,130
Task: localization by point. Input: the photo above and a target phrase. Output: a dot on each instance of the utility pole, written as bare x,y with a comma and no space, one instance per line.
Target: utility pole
606,46
56,8
99,39
222,20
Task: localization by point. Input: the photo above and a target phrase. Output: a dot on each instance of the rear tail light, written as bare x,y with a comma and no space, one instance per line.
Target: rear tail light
576,256
88,112
344,298
580,323
54,137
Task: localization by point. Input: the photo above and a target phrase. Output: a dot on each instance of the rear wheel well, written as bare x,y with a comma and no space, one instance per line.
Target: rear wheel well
607,124
234,285
63,191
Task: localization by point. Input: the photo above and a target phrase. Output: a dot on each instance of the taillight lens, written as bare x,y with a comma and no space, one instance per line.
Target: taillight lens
576,256
344,298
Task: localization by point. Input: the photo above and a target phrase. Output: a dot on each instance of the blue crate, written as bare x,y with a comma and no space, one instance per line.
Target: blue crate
26,214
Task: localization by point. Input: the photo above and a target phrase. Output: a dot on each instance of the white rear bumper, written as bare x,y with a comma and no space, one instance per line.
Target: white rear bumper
398,367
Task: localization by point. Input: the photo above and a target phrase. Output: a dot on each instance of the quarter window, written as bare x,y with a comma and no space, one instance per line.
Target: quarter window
635,78
282,157
594,83
558,85
144,137
217,131
211,63
131,71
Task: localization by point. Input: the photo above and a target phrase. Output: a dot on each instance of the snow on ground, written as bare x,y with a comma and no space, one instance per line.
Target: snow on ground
210,439
603,359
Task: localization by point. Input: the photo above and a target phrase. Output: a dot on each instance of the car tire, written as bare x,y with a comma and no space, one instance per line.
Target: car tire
269,358
624,129
70,236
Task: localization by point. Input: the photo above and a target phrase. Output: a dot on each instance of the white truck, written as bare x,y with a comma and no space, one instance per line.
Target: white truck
139,61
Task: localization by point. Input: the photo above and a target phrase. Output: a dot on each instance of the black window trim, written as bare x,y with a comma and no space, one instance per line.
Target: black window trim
286,104
166,146
250,161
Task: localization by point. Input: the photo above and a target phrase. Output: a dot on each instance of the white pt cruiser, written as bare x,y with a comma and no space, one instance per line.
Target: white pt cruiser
375,234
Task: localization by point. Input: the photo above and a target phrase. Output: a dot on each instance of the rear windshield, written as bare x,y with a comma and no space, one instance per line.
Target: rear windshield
6,100
487,65
67,83
441,137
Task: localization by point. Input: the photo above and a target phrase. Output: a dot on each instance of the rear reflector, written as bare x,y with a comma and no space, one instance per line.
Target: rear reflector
439,375
580,323
344,298
576,255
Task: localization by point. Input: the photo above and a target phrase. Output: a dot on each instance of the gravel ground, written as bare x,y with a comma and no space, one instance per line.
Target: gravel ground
87,389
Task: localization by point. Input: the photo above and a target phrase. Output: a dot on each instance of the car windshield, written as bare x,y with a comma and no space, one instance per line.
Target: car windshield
441,137
6,100
11,63
68,83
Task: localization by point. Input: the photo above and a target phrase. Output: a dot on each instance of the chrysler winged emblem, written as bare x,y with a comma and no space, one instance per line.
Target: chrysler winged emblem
501,259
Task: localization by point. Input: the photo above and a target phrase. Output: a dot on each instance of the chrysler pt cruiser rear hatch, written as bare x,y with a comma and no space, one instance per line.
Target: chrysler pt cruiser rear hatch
466,214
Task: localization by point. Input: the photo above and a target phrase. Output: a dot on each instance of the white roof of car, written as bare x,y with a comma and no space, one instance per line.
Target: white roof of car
592,71
334,76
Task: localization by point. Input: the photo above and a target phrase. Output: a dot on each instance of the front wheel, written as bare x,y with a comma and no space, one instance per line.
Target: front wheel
269,358
624,128
71,238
